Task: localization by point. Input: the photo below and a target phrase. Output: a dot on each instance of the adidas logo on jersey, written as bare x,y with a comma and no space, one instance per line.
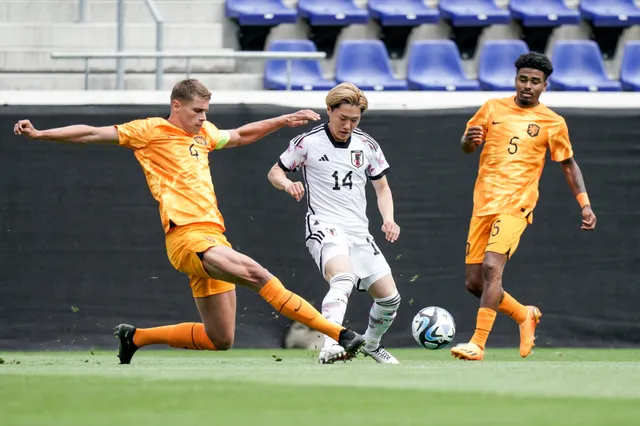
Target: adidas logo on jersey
324,158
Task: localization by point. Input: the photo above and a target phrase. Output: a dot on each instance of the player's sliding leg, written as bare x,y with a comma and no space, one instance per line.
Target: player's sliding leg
216,332
224,263
386,302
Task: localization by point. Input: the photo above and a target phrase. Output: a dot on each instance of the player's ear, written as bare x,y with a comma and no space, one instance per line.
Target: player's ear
328,110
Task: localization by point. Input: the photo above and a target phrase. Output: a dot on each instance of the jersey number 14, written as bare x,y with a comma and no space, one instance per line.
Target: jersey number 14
346,181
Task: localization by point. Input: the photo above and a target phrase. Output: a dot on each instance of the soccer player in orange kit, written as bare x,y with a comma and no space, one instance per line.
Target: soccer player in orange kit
516,132
173,153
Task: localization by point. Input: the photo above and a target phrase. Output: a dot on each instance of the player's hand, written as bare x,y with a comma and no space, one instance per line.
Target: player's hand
588,219
295,189
474,135
391,231
24,127
301,118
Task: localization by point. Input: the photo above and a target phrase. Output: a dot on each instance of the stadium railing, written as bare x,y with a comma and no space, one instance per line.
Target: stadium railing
157,16
87,56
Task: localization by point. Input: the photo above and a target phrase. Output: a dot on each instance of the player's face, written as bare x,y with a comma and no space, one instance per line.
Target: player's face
530,84
192,114
342,120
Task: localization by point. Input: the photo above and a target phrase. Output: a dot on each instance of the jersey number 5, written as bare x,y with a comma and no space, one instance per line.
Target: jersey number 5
346,181
513,146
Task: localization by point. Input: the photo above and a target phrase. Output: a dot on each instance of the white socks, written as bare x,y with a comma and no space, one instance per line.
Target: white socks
381,316
334,305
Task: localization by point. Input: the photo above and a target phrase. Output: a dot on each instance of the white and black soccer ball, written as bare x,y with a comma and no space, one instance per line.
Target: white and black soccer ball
433,327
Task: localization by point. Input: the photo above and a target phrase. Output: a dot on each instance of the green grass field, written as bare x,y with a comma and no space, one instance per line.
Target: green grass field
285,387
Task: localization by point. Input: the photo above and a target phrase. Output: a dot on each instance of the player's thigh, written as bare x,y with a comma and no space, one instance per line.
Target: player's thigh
369,263
329,247
477,239
185,248
218,313
505,234
226,264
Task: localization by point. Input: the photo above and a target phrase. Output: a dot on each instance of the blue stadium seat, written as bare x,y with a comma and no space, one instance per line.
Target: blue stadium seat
578,66
630,69
472,13
436,65
260,12
496,70
365,63
332,12
402,12
543,13
610,13
305,74
255,18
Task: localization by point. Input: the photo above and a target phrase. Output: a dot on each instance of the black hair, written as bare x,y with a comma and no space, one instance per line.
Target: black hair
536,61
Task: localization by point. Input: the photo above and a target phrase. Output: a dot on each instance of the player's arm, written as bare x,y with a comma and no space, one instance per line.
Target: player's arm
77,133
385,205
574,178
278,178
252,132
476,129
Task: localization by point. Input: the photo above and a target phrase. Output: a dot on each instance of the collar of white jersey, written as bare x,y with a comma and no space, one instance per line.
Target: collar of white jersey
336,144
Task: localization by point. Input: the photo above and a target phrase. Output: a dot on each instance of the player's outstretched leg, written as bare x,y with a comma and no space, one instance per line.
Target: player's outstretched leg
386,302
226,264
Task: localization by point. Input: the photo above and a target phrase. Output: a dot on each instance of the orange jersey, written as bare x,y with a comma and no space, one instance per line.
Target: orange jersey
176,165
515,144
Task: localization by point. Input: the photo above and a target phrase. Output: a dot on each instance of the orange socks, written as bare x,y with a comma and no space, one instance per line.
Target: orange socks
296,308
513,308
484,323
188,335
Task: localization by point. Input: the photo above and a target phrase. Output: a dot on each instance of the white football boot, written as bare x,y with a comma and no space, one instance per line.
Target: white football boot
333,353
380,355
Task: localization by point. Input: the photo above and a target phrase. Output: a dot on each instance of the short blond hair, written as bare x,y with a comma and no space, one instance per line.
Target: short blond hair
347,93
188,89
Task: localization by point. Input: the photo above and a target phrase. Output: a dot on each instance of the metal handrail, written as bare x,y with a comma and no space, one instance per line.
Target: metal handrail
266,55
157,16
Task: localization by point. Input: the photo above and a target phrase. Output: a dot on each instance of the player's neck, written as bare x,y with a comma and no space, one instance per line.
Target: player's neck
176,123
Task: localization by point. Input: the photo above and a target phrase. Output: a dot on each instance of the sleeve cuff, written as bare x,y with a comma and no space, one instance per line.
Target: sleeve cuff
382,173
282,166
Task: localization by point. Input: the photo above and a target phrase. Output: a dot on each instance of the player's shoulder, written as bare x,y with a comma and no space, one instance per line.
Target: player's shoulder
315,134
367,139
550,114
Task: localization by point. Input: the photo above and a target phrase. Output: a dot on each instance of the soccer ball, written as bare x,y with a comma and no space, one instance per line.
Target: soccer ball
433,327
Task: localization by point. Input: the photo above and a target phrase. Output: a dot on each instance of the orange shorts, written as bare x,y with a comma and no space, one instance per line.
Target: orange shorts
184,244
498,233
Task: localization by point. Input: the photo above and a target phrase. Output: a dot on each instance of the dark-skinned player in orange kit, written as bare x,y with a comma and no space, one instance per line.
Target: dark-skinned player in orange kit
516,133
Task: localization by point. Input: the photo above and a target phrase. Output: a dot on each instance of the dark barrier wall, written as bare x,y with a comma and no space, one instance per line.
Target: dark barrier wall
82,248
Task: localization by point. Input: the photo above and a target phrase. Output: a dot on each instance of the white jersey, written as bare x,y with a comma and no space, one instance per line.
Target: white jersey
335,176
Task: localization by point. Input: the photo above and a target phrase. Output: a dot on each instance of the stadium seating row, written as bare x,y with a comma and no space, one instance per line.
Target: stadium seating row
436,65
414,12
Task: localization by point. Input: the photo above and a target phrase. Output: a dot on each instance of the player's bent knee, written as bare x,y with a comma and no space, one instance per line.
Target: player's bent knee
474,286
491,271
222,341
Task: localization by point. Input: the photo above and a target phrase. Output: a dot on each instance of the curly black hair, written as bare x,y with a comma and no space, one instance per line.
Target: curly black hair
536,61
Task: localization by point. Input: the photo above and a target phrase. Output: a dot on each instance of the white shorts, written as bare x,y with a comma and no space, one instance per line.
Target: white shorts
328,241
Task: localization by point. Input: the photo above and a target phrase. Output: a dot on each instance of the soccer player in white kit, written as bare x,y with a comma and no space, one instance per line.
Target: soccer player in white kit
336,160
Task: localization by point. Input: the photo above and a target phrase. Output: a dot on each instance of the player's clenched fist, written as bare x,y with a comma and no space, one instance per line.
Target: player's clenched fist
474,135
296,190
24,127
391,231
301,118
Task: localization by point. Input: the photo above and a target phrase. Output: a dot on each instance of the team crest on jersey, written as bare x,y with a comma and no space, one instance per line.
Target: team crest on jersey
200,140
533,130
356,158
332,231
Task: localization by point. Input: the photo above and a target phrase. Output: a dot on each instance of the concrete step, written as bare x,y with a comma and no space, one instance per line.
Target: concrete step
39,60
39,81
193,11
97,36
